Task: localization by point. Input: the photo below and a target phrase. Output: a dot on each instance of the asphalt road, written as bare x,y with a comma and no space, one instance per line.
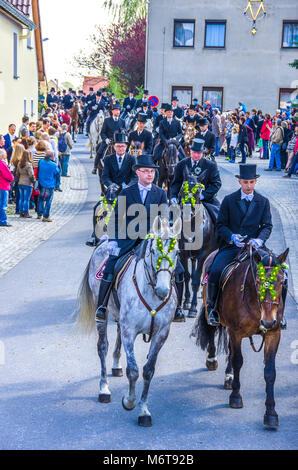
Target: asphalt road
49,379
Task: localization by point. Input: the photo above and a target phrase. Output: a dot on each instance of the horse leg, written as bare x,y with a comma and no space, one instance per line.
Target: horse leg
237,361
132,372
102,348
271,347
229,372
196,276
187,304
211,360
117,369
144,418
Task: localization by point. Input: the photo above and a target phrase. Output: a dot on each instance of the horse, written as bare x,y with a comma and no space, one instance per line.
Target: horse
251,302
168,164
94,134
75,116
189,136
136,148
202,225
129,119
150,277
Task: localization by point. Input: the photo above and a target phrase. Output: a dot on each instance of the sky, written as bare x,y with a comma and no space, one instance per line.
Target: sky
68,25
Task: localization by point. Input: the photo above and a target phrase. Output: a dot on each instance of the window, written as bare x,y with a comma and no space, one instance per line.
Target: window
290,34
215,34
15,55
214,95
183,93
287,96
32,107
184,33
25,106
29,42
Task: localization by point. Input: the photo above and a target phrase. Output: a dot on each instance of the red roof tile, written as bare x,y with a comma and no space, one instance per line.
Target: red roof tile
22,5
98,83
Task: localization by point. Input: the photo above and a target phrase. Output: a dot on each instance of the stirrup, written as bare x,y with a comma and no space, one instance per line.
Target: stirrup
283,325
211,320
101,320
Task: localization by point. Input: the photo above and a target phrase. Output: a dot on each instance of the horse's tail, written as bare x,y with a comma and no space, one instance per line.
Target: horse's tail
85,307
202,332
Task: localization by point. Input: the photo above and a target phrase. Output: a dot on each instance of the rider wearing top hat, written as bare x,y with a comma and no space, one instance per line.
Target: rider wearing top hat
244,216
144,193
210,177
206,135
169,128
178,112
142,135
95,108
129,104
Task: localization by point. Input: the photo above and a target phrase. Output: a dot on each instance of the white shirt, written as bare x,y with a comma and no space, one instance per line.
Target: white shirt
248,197
144,190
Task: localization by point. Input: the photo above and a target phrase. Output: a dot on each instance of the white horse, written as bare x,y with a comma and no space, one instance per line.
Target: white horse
148,280
94,134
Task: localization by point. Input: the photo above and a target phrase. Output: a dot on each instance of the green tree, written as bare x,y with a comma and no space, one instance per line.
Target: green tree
127,11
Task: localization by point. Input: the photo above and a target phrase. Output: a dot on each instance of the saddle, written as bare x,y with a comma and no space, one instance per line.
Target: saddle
230,268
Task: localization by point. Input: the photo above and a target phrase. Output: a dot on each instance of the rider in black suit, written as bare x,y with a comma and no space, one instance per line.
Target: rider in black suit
208,136
169,128
244,214
142,135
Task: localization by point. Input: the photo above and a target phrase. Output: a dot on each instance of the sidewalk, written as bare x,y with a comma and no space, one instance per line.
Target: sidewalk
283,195
26,234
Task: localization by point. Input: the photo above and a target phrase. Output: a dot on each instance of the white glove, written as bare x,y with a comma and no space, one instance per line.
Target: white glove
174,200
256,242
107,141
113,248
202,197
237,240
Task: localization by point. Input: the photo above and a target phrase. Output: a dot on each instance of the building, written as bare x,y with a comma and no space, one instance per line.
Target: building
212,51
97,83
21,61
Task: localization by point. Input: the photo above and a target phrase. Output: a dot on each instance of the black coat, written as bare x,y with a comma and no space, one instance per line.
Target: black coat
98,106
51,100
68,101
145,137
129,104
178,113
234,218
243,135
111,173
209,138
167,131
132,194
211,180
110,127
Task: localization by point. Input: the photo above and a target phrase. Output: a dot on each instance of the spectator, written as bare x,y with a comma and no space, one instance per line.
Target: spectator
277,140
291,148
243,138
54,143
233,143
46,139
286,138
265,135
216,129
25,125
26,180
46,123
294,164
47,178
40,153
9,137
2,142
32,129
15,160
65,140
6,178
31,141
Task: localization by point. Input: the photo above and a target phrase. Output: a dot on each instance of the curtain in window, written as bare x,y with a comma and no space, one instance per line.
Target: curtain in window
290,35
215,35
184,34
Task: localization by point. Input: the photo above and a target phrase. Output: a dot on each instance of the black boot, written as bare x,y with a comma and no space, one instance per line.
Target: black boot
213,317
179,315
103,298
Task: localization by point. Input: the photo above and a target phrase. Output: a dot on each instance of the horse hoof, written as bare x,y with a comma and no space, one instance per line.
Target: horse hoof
192,314
211,365
236,402
186,306
228,384
117,372
145,421
104,398
271,421
126,407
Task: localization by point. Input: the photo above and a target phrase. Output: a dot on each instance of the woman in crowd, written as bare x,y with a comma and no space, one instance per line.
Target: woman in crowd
265,135
64,156
291,148
40,153
26,180
276,141
14,162
242,138
6,178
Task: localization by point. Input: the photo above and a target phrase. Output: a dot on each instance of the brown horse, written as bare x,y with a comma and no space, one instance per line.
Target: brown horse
189,135
75,117
251,303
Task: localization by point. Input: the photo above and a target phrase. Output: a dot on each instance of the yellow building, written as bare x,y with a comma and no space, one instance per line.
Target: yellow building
21,61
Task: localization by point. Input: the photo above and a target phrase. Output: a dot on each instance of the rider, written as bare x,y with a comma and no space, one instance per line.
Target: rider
208,136
147,194
178,112
142,135
110,126
198,165
140,102
52,98
169,128
244,216
129,104
95,108
192,117
68,100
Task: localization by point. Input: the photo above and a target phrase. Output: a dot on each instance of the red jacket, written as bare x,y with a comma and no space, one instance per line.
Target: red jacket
265,133
6,177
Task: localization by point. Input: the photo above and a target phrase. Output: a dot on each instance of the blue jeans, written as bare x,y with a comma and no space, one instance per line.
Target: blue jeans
265,151
17,196
45,202
58,177
275,157
25,195
217,149
3,205
64,161
232,154
242,150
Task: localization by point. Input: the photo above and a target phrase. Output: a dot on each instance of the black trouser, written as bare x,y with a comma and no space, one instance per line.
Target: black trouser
100,153
224,257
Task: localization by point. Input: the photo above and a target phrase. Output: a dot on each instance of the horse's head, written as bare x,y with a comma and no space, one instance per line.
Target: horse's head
270,281
190,192
136,148
170,156
163,252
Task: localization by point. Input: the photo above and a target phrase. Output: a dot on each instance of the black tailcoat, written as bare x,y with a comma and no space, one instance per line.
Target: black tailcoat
209,138
110,127
111,173
145,137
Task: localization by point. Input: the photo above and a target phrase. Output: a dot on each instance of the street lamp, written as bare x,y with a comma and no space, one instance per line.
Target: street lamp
261,13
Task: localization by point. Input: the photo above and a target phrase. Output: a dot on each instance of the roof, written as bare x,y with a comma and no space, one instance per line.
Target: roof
21,5
19,10
97,83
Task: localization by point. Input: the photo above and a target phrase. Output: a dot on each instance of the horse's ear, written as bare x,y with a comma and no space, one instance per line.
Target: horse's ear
156,228
177,228
282,258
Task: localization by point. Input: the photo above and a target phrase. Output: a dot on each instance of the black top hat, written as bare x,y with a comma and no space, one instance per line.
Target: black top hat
142,117
146,92
132,91
91,89
169,107
164,105
192,106
104,90
145,103
70,89
98,93
52,89
248,172
198,145
175,98
120,138
203,122
144,161
116,106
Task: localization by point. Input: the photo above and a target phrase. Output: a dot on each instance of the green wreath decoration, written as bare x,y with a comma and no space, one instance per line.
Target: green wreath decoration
191,195
160,248
268,283
106,207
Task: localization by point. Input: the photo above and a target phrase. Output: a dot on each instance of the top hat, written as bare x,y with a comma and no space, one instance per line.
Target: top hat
91,89
203,122
145,103
175,98
52,89
163,105
132,91
120,138
192,106
169,107
146,92
247,172
104,90
69,89
116,106
196,100
144,161
198,145
98,93
142,117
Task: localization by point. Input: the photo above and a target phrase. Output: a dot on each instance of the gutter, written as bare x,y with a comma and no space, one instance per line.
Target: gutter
12,11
